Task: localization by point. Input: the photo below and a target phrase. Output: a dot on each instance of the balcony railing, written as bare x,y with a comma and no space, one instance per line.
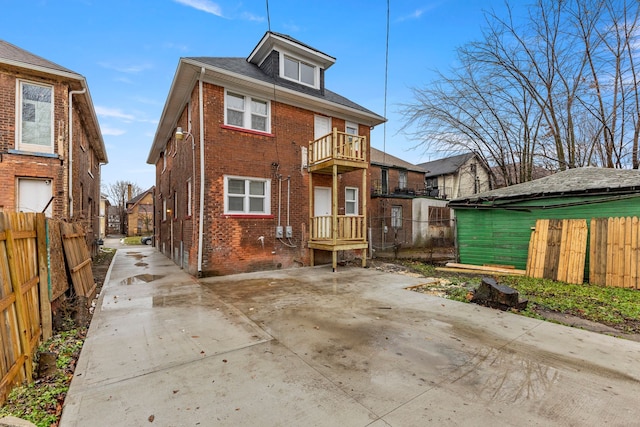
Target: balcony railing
349,228
338,146
379,188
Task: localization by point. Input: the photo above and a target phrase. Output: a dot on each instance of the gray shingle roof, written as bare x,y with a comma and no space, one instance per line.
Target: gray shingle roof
12,53
587,180
385,159
445,166
244,68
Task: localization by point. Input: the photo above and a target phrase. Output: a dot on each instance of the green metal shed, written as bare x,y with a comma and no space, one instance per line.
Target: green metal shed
494,227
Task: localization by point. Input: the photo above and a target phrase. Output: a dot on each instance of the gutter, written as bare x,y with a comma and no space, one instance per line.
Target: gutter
70,160
201,213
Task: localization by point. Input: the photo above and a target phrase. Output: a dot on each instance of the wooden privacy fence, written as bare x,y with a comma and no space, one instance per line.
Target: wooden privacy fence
19,296
557,250
616,261
32,274
558,247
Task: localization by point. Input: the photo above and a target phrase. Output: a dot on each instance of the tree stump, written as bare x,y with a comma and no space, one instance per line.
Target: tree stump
494,295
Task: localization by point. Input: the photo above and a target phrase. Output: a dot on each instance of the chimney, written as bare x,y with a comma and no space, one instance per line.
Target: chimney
129,191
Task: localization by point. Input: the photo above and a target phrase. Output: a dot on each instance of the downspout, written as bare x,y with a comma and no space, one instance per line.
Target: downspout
71,93
201,214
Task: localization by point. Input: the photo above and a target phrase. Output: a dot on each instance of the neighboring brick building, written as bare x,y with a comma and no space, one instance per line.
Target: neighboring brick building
140,214
402,212
51,147
242,127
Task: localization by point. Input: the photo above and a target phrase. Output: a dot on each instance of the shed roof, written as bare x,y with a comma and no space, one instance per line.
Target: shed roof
586,180
445,166
381,158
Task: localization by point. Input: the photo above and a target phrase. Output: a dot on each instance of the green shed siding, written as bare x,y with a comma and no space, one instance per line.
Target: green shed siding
501,236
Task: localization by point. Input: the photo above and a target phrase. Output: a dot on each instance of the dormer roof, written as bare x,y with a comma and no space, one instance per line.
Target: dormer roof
272,41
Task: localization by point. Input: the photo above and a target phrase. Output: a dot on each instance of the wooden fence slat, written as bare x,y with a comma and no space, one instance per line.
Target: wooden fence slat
78,260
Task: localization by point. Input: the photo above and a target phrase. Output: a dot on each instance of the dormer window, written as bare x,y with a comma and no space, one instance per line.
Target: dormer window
299,71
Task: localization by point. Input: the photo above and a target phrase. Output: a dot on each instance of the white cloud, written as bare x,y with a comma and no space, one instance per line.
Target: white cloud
107,130
126,68
203,5
251,17
417,14
113,112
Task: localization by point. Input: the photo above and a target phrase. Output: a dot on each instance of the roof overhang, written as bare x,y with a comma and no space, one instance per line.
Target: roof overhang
271,41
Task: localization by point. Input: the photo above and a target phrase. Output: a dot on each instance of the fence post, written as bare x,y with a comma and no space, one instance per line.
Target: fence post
43,271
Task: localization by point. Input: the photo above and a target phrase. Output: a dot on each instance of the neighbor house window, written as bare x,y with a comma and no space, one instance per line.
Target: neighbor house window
164,209
250,196
351,201
439,216
247,112
300,71
402,179
396,216
35,117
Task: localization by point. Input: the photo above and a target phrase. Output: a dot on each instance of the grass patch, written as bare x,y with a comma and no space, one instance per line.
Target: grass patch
41,401
133,240
617,307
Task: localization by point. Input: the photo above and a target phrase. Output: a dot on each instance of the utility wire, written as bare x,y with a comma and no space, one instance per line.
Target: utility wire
386,80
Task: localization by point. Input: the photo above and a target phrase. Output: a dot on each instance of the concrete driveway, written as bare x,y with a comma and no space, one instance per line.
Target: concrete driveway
308,347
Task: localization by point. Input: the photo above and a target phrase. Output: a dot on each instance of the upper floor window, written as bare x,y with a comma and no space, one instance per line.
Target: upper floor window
402,179
247,112
300,71
249,196
35,118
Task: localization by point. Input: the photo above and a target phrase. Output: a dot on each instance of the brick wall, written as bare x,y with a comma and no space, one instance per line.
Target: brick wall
54,167
233,243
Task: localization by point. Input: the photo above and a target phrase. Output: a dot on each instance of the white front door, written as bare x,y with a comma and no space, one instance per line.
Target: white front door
322,212
34,195
322,126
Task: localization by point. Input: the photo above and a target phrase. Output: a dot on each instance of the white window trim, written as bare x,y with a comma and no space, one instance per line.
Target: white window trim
316,70
357,208
247,111
267,196
351,125
32,147
395,218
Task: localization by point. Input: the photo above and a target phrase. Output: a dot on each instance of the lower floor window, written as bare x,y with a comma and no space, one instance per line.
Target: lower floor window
396,216
251,196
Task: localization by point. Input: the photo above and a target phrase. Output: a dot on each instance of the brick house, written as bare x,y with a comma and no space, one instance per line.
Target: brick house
402,212
51,147
140,214
258,165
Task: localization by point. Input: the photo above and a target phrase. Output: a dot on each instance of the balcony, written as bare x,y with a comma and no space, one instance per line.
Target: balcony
397,189
347,152
349,232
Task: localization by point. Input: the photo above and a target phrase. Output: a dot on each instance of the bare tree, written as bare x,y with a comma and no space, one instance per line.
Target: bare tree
557,89
119,193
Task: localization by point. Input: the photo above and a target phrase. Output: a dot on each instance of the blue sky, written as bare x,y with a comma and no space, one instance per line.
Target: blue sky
128,51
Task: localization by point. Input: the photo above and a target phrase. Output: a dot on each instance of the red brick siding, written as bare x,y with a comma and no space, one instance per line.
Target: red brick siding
235,244
25,165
